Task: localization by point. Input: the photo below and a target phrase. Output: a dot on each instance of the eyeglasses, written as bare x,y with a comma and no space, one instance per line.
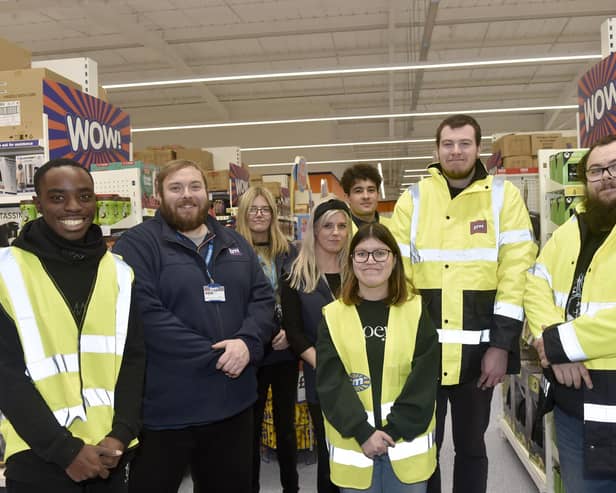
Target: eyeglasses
362,256
265,211
596,172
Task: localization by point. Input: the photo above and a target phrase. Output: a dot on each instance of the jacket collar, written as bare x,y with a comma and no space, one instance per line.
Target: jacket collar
223,238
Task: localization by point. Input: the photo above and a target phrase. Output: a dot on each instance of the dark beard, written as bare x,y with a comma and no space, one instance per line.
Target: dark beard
598,216
180,223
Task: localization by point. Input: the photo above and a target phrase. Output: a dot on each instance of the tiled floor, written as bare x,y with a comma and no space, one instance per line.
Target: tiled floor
506,473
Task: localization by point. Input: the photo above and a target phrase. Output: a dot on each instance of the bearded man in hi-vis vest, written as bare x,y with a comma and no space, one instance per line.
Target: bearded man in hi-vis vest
467,242
71,346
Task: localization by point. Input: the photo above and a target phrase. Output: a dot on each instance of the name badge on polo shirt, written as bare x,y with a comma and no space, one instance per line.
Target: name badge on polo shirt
214,293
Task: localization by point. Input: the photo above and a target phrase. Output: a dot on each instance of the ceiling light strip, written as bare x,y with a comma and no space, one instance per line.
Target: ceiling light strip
353,70
354,117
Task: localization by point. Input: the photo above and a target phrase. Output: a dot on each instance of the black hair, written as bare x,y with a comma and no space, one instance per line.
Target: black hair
55,163
359,172
331,204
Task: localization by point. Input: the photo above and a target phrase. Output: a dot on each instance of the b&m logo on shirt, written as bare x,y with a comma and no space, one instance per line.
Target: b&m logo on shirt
480,226
359,381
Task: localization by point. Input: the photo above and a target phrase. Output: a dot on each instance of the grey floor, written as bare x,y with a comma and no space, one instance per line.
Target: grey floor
506,473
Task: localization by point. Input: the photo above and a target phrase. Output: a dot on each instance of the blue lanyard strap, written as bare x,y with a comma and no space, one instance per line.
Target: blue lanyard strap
208,258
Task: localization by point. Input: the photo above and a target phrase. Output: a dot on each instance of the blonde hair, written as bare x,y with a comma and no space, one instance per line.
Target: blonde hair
278,242
305,272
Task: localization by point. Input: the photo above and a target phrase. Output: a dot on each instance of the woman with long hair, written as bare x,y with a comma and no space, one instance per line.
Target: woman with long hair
377,373
257,221
313,282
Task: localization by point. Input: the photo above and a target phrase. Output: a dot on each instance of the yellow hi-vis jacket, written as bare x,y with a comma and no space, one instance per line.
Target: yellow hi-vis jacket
412,461
74,371
590,337
468,256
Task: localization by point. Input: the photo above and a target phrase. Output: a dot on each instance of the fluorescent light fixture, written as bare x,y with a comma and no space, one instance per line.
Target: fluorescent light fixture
353,71
356,117
346,144
346,161
380,170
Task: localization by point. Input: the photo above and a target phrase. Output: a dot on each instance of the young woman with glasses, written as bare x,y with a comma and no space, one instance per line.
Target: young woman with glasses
314,281
378,367
257,221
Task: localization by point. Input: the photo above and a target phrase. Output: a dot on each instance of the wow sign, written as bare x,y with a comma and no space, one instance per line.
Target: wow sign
84,128
597,101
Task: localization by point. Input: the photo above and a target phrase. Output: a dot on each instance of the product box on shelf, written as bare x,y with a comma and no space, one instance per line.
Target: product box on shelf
512,145
145,156
8,175
532,376
274,187
13,57
562,207
563,166
543,141
27,164
218,180
10,220
147,178
21,101
519,162
199,156
566,143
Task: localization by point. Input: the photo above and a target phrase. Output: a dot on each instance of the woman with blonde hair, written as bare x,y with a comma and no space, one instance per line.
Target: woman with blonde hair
313,282
257,221
377,375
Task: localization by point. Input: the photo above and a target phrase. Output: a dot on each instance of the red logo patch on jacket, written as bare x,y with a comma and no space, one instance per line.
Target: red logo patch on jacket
480,226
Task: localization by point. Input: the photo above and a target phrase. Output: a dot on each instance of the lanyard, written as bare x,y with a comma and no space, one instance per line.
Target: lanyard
208,259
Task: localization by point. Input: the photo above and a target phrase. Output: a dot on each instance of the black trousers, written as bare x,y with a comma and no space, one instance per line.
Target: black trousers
470,416
219,456
324,483
117,482
283,379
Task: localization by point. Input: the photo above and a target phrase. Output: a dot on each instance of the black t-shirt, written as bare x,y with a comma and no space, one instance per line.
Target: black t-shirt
373,316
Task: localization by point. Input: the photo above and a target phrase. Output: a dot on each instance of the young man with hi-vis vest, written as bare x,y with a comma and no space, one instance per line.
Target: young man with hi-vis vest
570,303
71,346
361,183
377,374
467,242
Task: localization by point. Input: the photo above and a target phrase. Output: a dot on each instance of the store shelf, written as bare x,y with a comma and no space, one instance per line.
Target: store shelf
537,475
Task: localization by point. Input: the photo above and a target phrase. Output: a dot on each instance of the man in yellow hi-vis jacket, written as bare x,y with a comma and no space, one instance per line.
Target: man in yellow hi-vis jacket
467,241
71,346
570,303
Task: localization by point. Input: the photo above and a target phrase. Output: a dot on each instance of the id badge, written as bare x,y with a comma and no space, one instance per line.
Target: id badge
214,293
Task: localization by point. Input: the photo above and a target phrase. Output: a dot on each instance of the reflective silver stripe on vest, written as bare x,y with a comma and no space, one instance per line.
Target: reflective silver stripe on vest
16,288
69,414
516,236
542,272
468,255
597,412
560,299
591,308
456,336
385,410
405,250
402,450
123,274
59,363
98,397
571,344
509,310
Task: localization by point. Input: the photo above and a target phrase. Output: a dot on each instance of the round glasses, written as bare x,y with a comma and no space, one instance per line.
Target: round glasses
265,211
596,172
379,255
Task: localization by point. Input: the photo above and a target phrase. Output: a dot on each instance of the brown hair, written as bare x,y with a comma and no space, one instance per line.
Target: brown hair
581,166
173,166
359,172
397,285
458,121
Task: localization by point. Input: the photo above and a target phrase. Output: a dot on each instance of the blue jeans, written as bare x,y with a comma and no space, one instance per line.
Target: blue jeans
384,480
570,440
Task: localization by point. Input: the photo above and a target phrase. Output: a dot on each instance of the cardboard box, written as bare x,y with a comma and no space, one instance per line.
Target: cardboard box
199,156
145,156
518,162
14,57
563,166
256,180
566,143
147,179
543,141
22,98
512,145
27,164
163,156
274,187
218,180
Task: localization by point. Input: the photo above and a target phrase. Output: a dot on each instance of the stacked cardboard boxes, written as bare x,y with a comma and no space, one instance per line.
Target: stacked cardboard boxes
519,151
161,155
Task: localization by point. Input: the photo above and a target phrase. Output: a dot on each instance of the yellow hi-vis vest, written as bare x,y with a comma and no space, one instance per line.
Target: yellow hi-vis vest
412,461
74,372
